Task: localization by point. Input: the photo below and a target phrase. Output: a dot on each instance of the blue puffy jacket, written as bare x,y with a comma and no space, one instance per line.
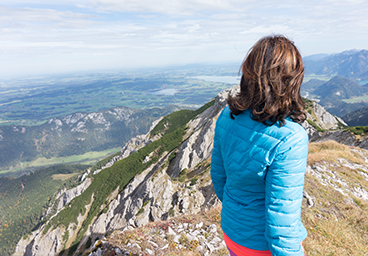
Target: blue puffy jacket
258,174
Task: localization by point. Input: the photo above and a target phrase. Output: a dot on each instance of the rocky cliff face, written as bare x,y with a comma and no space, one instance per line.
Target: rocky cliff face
320,120
177,183
68,195
324,119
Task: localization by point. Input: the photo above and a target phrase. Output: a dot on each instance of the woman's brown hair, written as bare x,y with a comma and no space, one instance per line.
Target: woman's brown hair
270,85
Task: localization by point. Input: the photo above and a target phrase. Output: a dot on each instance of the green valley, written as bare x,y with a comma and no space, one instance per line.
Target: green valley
88,158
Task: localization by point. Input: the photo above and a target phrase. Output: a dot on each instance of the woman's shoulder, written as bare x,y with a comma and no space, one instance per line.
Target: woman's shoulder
292,128
291,133
279,132
224,116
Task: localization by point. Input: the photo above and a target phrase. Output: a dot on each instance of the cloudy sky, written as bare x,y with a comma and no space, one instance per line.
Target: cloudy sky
75,35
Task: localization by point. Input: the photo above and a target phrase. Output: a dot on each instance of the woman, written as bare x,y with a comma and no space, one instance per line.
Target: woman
259,154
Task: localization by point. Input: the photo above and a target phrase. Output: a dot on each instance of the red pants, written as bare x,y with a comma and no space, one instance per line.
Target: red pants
239,250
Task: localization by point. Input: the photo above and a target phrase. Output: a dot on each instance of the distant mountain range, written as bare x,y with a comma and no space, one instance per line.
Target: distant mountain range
75,134
358,117
312,84
349,72
340,88
350,64
332,93
335,90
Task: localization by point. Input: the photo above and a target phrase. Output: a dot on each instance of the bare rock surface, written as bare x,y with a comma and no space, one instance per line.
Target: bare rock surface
189,233
68,195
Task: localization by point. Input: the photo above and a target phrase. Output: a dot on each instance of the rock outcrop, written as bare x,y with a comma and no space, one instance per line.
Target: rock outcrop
325,119
78,122
177,235
68,195
320,120
139,141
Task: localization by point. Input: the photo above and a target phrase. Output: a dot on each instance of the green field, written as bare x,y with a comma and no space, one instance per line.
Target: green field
357,99
63,177
88,158
319,77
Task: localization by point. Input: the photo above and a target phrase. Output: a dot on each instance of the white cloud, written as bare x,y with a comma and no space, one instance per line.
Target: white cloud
347,2
35,18
273,29
92,33
178,7
43,2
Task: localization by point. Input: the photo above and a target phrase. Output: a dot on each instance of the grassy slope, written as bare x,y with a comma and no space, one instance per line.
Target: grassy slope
152,229
337,224
356,99
20,212
307,78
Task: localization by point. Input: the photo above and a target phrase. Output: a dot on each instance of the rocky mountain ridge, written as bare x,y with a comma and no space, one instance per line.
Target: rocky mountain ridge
332,94
351,63
358,117
174,183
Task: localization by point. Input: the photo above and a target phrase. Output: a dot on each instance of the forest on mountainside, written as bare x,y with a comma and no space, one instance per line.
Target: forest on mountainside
25,200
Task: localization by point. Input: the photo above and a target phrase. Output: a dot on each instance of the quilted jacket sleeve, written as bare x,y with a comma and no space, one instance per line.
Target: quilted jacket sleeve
218,174
284,194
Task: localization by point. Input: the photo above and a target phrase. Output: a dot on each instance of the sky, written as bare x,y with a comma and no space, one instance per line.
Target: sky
42,37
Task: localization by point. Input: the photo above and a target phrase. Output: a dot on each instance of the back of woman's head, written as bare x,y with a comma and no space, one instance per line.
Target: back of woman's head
270,86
